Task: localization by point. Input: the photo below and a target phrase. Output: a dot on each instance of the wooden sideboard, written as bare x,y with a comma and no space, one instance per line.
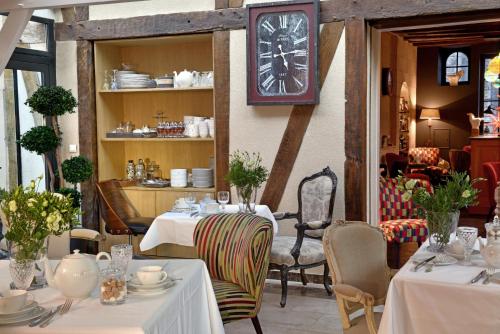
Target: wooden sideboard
484,149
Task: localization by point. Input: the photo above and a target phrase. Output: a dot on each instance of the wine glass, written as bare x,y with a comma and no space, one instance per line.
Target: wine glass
22,272
122,255
190,200
223,198
467,236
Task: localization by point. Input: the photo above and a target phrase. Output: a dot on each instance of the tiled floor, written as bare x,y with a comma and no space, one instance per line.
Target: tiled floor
308,310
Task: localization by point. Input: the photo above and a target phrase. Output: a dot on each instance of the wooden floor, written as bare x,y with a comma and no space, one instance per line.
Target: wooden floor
308,310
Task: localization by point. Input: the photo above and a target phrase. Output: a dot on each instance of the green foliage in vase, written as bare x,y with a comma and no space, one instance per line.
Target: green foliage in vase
52,101
31,216
77,169
40,139
72,193
246,169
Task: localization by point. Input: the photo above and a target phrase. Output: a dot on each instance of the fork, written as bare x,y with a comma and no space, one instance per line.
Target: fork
45,316
64,309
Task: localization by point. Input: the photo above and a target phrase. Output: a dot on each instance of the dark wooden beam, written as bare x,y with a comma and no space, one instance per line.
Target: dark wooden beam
454,43
384,13
444,17
394,97
221,106
87,128
355,166
298,122
155,25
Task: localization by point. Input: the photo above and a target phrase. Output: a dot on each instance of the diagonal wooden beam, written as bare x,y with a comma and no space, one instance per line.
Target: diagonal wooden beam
298,122
11,32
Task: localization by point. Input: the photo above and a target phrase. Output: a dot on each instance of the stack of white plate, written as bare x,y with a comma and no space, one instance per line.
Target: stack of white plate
178,178
135,287
203,177
29,312
130,79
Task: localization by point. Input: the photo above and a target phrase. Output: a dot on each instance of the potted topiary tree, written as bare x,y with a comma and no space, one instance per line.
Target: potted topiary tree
76,170
51,102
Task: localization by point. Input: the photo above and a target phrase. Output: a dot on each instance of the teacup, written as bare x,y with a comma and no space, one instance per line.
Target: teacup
14,300
151,274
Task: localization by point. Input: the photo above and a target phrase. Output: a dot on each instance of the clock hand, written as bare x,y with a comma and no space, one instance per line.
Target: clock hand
285,62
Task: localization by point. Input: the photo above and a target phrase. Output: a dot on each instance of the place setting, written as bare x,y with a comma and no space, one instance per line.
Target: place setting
18,307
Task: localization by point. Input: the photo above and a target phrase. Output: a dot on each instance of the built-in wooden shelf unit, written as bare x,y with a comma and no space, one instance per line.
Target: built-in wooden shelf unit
154,56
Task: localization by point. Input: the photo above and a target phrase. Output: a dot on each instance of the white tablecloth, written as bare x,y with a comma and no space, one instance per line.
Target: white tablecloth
188,307
178,228
441,301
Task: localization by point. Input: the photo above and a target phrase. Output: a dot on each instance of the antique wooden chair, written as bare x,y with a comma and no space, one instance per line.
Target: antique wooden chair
316,196
357,256
119,215
236,248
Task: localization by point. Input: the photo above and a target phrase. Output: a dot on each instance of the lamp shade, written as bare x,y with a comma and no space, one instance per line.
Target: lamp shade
430,114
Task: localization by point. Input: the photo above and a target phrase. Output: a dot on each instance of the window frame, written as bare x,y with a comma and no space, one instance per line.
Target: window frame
482,69
25,59
444,53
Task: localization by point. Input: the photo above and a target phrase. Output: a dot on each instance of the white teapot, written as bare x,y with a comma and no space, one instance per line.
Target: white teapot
76,275
184,79
491,250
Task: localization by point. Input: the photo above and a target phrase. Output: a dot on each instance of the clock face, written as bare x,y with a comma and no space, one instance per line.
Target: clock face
282,56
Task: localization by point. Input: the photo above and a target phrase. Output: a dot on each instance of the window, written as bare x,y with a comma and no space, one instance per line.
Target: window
451,61
31,65
489,99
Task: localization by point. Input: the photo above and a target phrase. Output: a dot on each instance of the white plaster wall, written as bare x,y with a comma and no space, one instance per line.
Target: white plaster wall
150,7
258,129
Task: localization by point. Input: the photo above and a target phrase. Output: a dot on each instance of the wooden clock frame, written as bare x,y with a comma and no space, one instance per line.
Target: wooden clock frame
311,9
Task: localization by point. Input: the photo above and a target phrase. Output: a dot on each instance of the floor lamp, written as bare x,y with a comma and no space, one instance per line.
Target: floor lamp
429,114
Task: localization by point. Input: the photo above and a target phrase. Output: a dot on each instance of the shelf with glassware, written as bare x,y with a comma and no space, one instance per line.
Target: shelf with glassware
140,118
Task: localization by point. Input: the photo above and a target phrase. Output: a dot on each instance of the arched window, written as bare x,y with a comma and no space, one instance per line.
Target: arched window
451,62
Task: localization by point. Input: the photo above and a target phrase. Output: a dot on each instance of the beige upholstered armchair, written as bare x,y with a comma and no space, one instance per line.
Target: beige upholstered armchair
357,255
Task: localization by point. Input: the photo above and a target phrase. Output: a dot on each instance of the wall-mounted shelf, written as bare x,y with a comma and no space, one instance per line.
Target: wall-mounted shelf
154,90
156,139
170,189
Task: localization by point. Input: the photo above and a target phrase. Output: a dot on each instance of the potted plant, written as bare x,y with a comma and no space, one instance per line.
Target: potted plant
442,206
247,174
30,217
51,102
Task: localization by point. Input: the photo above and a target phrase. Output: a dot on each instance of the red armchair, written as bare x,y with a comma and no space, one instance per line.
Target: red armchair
492,173
428,156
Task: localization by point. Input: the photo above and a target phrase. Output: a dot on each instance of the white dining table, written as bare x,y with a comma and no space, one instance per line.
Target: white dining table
178,227
441,301
189,307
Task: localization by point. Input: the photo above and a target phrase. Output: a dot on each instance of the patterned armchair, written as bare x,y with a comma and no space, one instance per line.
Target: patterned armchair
397,218
316,196
428,156
236,248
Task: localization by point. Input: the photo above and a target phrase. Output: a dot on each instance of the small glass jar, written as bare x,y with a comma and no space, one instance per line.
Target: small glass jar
113,287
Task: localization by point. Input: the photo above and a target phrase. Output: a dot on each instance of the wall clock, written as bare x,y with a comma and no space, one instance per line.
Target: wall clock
282,53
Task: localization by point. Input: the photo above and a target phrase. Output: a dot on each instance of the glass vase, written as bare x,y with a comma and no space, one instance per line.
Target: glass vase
439,225
247,197
34,251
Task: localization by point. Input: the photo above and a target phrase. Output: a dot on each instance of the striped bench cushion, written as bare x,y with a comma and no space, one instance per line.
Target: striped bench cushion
405,230
234,302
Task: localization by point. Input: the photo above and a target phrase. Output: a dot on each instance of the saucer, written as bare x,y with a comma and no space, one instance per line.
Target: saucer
30,305
149,290
19,319
134,282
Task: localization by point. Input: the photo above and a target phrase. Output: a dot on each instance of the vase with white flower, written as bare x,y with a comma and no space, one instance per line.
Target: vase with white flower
442,205
30,217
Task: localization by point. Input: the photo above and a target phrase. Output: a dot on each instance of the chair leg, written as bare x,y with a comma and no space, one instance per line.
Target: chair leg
303,276
256,325
284,286
325,280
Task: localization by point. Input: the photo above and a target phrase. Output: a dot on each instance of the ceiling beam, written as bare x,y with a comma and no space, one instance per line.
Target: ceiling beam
11,32
9,5
454,43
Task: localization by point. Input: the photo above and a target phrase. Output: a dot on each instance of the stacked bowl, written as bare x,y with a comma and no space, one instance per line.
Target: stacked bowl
203,177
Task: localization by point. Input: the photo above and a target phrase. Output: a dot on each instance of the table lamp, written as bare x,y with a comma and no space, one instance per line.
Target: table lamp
429,114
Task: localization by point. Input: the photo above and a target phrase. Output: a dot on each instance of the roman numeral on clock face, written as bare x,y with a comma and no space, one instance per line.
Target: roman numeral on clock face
282,88
269,27
265,55
300,53
283,21
297,26
300,40
298,83
264,42
268,82
264,68
301,67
